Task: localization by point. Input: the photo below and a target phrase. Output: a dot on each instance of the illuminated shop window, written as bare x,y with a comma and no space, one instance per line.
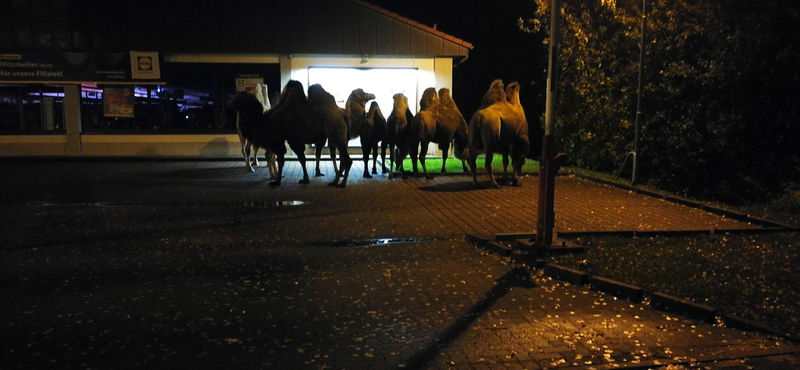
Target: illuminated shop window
192,100
31,108
383,82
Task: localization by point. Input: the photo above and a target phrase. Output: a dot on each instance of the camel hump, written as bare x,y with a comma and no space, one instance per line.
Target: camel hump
429,99
374,108
495,94
318,95
445,98
512,93
292,93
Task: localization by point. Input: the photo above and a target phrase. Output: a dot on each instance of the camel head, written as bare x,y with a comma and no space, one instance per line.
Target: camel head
361,96
357,102
495,94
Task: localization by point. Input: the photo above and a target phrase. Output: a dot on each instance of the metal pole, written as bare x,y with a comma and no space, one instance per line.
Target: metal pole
638,132
552,67
550,163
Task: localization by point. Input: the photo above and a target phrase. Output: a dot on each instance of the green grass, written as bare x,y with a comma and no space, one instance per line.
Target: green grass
750,276
454,165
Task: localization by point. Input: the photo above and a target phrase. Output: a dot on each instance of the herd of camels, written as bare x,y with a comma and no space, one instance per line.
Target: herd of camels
499,126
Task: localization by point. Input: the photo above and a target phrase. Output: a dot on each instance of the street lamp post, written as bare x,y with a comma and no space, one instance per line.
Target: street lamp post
638,132
551,163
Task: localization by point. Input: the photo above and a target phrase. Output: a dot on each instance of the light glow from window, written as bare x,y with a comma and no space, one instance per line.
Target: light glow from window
383,82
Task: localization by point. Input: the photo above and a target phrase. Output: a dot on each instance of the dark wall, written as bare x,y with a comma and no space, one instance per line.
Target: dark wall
221,26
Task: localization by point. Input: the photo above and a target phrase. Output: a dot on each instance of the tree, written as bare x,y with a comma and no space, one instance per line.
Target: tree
720,112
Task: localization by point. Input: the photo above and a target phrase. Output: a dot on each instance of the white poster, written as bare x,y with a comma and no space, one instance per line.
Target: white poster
145,66
248,83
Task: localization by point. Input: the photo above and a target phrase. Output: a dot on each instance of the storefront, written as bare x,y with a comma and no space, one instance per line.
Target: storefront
170,100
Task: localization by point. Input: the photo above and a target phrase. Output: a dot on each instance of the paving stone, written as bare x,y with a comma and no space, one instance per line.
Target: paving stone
184,259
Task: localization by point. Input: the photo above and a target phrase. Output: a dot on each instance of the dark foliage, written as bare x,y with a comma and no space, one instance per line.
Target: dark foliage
720,102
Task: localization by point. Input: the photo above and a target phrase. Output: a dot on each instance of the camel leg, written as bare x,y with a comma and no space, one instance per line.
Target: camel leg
488,166
445,149
391,159
255,155
346,164
383,156
318,153
332,151
247,157
401,157
423,152
464,165
473,159
281,159
299,149
375,158
516,166
271,166
365,147
505,169
414,152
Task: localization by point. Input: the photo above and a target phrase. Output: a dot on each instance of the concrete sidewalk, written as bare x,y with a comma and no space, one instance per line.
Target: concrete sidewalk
171,265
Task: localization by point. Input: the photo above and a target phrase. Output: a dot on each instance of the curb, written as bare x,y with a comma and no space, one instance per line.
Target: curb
526,254
668,303
476,240
618,289
736,322
572,276
772,225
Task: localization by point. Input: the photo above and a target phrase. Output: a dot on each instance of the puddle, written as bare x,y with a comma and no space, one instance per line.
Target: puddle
268,204
368,243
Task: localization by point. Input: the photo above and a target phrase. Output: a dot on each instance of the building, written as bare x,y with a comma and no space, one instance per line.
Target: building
151,78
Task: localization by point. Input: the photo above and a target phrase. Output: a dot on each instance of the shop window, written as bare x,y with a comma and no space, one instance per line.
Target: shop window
31,109
192,100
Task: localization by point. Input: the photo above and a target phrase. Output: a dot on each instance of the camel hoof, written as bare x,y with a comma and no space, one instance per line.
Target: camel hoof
495,186
319,174
444,170
367,175
429,177
334,183
385,170
251,169
304,181
274,183
342,185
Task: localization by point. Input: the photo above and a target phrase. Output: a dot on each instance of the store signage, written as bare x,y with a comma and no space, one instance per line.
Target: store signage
65,66
145,65
118,101
248,82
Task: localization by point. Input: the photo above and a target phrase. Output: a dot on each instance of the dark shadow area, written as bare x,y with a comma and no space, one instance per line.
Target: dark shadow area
516,277
453,187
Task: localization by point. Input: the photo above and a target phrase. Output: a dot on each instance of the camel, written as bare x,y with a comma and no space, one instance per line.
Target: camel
499,126
336,124
399,134
370,127
440,123
299,120
377,122
269,155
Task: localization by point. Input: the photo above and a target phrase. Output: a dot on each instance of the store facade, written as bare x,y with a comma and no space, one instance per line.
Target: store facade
138,82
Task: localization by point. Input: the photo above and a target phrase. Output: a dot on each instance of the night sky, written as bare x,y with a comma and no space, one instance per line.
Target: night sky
500,50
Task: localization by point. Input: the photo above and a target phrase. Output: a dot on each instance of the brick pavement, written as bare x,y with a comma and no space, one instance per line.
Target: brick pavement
163,265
